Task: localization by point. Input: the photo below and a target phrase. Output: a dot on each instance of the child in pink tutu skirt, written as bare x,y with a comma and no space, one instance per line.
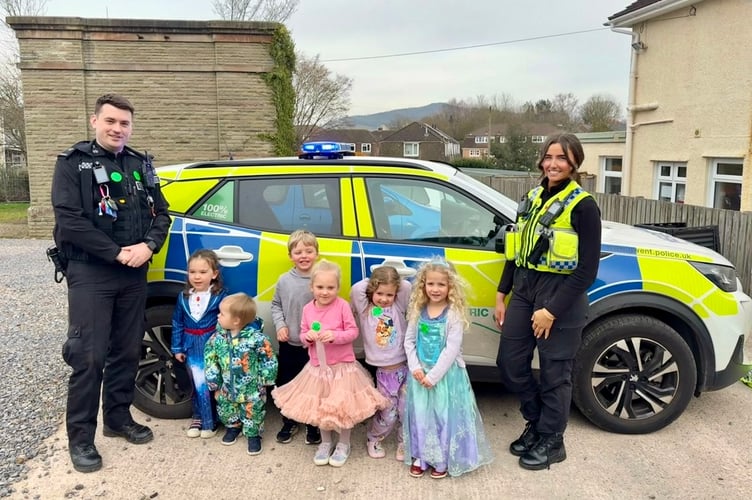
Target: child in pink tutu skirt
333,391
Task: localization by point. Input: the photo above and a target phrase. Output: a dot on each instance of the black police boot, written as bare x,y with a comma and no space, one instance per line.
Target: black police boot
526,441
548,450
85,458
133,433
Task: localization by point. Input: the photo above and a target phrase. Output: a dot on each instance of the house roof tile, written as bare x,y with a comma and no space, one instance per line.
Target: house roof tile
634,6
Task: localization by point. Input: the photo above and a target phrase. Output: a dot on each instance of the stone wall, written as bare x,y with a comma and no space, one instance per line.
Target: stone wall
196,85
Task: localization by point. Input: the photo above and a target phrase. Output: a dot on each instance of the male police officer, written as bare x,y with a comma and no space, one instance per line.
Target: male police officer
110,218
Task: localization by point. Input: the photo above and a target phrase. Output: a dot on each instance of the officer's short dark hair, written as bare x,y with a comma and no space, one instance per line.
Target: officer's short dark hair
116,100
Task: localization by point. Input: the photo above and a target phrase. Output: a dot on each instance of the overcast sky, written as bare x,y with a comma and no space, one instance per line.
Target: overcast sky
590,63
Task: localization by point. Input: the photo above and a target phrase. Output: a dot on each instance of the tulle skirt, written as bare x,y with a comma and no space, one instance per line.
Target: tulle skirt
335,397
443,427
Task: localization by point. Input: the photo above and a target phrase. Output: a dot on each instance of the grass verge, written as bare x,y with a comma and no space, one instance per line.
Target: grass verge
13,213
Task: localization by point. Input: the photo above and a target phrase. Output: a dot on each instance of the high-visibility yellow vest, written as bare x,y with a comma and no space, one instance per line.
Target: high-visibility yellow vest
561,256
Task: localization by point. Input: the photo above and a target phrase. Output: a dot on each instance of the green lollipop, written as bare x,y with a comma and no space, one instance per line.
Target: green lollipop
316,326
377,311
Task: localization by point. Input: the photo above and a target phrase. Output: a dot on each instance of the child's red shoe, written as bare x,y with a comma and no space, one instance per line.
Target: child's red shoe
438,475
416,471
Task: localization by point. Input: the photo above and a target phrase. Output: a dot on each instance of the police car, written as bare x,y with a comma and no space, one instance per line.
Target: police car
668,318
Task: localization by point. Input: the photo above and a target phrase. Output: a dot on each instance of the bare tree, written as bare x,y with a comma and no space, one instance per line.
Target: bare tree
322,99
23,7
565,109
255,10
12,124
600,113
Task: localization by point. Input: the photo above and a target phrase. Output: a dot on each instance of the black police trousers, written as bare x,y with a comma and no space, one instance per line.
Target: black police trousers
106,304
546,400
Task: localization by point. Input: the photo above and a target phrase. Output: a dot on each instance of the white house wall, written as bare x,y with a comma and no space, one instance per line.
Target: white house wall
698,69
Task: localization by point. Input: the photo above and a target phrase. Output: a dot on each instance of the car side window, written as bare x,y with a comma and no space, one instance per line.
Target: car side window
287,203
417,210
219,206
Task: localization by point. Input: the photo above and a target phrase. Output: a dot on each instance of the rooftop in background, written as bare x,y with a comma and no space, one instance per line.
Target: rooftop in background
610,136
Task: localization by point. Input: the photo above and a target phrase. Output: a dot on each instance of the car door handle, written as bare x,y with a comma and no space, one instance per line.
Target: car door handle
232,255
403,270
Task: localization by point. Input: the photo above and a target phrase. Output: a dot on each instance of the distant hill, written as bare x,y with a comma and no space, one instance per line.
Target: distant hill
376,120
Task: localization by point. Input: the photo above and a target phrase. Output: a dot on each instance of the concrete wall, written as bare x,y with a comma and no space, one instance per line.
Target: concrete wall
197,88
697,68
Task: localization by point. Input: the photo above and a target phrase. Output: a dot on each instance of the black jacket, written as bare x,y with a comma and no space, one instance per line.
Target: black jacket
80,232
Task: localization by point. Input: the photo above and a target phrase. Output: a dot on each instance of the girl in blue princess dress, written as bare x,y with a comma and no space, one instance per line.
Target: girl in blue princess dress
193,322
443,430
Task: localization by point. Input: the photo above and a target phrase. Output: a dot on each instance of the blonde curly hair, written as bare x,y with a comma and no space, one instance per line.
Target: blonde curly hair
456,298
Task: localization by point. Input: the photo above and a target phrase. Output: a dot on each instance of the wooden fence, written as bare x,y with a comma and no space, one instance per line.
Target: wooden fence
734,228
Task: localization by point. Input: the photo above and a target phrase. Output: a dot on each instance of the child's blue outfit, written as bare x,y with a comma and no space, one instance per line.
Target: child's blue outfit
192,325
443,427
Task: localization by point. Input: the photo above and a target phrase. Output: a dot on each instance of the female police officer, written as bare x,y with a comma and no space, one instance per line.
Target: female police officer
552,258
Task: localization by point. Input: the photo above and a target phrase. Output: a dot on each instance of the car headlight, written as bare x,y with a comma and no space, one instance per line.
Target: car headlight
724,277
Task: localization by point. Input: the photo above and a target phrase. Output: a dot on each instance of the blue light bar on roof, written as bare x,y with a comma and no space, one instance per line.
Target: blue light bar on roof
326,149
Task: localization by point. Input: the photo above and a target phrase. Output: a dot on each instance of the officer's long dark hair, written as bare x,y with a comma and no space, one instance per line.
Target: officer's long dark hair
211,258
571,146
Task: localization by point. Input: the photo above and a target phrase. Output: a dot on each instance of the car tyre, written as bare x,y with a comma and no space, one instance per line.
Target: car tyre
633,374
163,386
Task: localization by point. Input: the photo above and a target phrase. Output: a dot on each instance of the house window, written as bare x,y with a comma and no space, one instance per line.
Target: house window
481,139
726,183
611,175
411,149
539,139
671,182
502,139
475,153
365,147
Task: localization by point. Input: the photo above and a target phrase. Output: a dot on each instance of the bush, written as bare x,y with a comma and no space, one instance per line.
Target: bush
472,163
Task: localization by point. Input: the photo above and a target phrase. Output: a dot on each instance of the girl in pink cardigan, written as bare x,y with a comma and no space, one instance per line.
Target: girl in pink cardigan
333,391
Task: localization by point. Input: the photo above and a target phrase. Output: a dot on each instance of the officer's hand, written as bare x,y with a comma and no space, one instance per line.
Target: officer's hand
137,255
283,334
542,321
500,310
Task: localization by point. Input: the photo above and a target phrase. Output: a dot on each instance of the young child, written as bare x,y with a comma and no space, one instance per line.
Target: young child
292,292
443,429
380,305
240,363
194,320
333,391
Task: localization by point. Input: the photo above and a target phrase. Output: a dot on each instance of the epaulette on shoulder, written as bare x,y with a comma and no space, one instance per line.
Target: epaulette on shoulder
80,146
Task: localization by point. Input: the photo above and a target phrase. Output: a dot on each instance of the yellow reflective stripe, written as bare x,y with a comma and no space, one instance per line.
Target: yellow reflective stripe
347,211
698,293
364,222
276,261
182,195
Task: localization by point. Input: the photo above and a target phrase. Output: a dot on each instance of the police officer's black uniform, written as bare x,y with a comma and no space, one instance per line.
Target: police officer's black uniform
545,403
103,202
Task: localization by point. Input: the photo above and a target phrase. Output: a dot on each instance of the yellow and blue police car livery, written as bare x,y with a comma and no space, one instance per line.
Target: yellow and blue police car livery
667,318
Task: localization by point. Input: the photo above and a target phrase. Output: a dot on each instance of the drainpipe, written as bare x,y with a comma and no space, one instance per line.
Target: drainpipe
626,173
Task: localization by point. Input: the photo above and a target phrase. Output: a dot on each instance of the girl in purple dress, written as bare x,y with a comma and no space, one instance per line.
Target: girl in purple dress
443,430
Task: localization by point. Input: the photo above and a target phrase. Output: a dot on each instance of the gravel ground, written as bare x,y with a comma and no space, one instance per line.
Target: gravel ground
32,325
